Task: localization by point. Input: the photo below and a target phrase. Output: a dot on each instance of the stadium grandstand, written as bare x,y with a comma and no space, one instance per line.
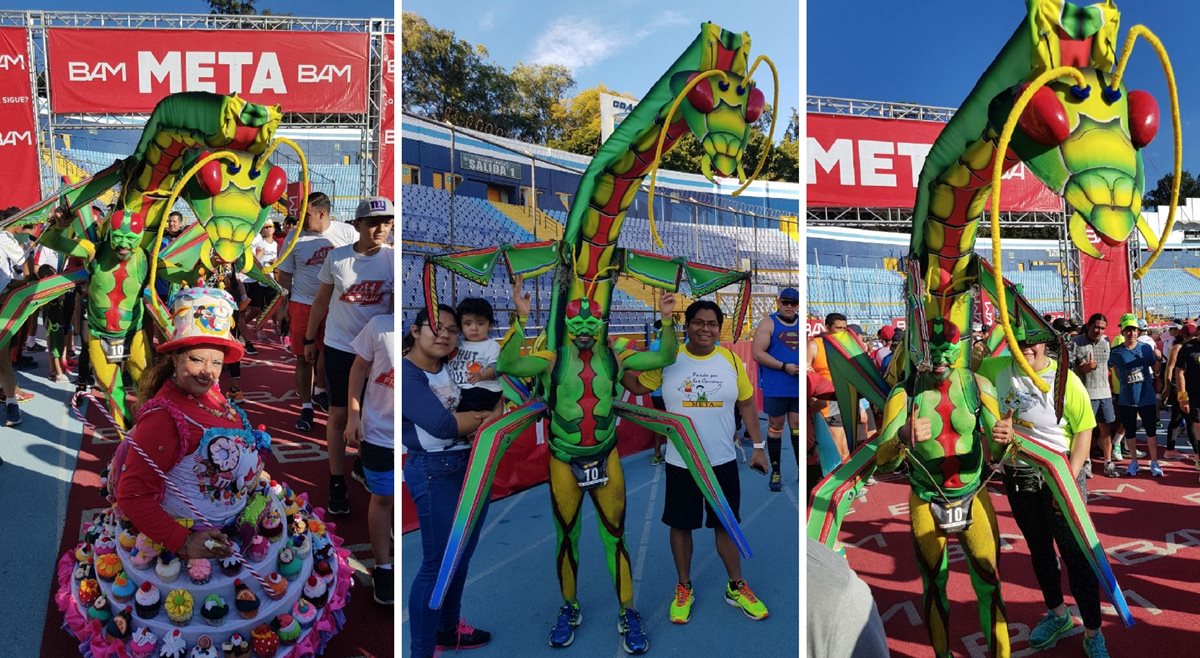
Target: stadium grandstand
461,189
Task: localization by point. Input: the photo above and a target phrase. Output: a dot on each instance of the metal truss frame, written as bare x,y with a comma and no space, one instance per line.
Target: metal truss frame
368,124
878,109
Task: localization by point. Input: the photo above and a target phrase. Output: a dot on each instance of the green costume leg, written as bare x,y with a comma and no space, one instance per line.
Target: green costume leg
610,516
934,565
982,545
565,499
108,375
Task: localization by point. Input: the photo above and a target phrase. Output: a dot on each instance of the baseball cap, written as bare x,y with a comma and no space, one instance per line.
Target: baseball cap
376,206
888,332
1129,320
789,294
1190,330
857,329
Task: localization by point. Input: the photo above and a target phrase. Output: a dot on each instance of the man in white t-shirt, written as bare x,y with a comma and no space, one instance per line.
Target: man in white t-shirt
356,282
374,349
265,250
12,273
298,275
705,383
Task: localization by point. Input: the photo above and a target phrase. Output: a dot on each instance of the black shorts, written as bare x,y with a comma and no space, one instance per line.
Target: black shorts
259,294
478,398
658,403
337,376
776,407
685,507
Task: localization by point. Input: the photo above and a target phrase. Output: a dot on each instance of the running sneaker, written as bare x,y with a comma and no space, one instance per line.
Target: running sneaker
633,638
775,483
383,584
1133,468
1141,454
357,473
22,396
1116,453
321,400
465,636
563,633
743,597
1110,470
657,460
1087,469
1047,631
681,605
12,415
1155,469
251,349
339,498
306,419
1093,647
871,481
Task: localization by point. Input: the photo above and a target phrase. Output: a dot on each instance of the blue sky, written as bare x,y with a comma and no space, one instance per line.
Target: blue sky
626,44
932,52
305,8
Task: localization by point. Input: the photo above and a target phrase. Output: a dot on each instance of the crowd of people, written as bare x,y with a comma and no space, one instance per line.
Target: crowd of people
450,391
1115,387
192,453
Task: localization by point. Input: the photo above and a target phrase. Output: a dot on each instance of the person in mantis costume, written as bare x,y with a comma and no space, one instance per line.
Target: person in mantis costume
710,92
1053,99
206,149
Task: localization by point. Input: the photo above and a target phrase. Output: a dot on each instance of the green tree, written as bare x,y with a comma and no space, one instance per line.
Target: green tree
235,7
1189,188
448,78
578,121
540,92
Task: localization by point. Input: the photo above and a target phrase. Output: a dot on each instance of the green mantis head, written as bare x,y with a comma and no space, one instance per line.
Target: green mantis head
944,346
231,201
719,111
583,327
1085,146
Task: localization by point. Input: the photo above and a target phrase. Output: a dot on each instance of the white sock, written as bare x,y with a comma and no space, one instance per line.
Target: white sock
384,566
317,390
306,405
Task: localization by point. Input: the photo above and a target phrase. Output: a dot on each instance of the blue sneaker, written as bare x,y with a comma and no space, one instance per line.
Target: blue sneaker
1093,647
633,639
12,415
563,633
1047,631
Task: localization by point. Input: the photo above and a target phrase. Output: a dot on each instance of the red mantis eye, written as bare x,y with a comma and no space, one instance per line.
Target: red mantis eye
1143,118
274,186
211,176
573,308
701,96
754,105
1045,119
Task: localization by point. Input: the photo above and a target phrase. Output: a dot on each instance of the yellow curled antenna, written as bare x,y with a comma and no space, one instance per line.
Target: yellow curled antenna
155,302
662,137
774,117
304,192
1010,125
1142,31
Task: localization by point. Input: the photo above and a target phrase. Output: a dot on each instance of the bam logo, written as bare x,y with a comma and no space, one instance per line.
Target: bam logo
198,71
318,256
8,61
367,293
13,137
309,73
101,72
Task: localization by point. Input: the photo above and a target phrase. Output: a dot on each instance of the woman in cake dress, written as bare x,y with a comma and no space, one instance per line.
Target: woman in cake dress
201,553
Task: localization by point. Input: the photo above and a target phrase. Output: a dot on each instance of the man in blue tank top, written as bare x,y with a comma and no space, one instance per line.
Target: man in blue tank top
777,351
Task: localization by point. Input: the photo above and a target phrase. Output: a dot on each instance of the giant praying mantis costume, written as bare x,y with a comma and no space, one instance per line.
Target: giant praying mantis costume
1052,100
208,149
709,91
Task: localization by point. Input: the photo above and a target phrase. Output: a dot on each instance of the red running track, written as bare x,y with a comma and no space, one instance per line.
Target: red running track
1150,528
297,458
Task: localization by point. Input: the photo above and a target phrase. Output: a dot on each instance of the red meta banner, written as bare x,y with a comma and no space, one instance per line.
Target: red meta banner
861,162
1105,283
18,129
387,121
120,71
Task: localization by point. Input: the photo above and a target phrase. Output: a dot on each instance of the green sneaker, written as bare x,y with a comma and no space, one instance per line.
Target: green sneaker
681,605
743,597
1093,647
1047,631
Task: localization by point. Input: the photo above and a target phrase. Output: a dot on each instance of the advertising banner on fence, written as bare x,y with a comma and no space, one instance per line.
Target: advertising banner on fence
387,121
18,132
863,162
1105,283
97,70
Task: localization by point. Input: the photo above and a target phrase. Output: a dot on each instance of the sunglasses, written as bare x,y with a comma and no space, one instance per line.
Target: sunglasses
789,302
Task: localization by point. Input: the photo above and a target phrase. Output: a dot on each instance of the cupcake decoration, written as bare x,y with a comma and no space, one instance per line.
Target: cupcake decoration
167,568
289,566
89,590
304,612
214,610
205,648
180,606
276,586
244,600
264,640
118,628
147,601
100,610
173,645
108,566
259,547
236,647
199,570
122,589
143,643
316,591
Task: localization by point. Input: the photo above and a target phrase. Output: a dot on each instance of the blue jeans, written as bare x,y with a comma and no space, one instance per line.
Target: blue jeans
435,480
